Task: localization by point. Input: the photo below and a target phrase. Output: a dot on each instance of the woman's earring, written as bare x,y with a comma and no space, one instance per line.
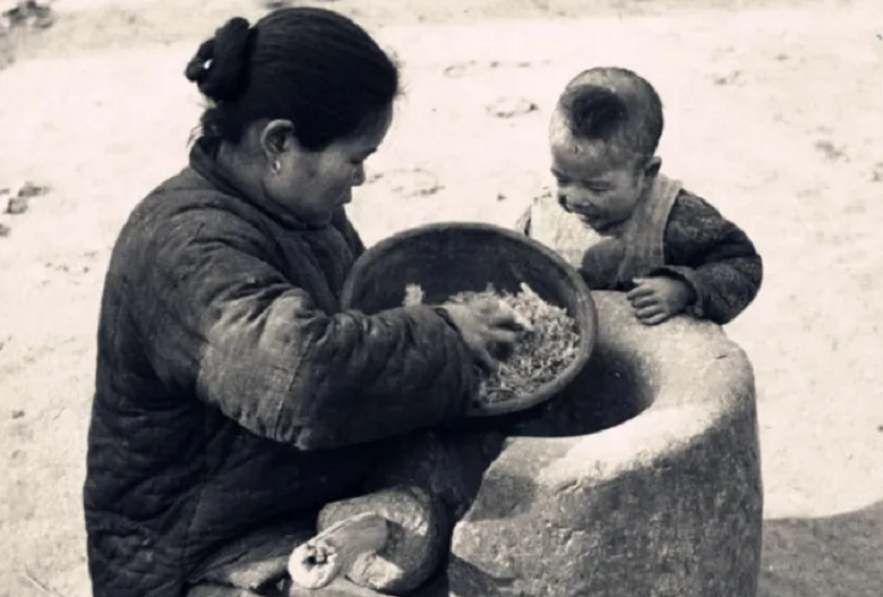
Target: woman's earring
276,166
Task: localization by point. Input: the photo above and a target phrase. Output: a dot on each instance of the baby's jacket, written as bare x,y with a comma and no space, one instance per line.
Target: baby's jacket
672,232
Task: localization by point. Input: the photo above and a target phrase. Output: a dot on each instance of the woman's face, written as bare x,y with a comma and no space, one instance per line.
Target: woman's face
313,185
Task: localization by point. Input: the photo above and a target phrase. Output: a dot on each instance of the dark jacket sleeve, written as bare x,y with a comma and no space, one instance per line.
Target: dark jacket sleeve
714,256
219,320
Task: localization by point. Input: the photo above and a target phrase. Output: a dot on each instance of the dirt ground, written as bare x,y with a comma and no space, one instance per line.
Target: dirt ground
770,112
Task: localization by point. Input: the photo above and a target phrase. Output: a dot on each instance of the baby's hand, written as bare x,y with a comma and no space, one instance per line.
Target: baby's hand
658,298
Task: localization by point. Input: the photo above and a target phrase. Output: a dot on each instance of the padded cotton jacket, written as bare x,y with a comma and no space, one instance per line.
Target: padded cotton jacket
231,391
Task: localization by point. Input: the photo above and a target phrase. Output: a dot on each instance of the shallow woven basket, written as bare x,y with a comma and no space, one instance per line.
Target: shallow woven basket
449,258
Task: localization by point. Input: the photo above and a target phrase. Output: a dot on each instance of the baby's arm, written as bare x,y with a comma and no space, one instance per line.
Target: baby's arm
714,257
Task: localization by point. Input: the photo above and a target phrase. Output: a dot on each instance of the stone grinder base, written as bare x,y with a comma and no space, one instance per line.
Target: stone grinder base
643,480
667,502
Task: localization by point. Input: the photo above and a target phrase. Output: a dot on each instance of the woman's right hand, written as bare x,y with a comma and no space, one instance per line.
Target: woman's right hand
488,327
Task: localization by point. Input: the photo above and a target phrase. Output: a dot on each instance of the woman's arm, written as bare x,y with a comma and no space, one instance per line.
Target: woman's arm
221,321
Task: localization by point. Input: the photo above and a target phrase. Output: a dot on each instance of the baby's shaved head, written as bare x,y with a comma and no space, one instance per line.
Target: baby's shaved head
613,105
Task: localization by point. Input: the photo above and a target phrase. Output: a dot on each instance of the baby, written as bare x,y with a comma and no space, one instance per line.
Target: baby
624,225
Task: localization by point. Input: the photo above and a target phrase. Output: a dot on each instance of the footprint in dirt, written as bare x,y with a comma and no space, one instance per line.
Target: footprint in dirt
831,152
22,506
408,182
729,78
67,268
70,268
472,67
508,107
32,14
18,198
82,263
21,429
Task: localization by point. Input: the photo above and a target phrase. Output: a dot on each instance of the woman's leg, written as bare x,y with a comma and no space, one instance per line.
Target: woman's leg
210,590
446,464
253,564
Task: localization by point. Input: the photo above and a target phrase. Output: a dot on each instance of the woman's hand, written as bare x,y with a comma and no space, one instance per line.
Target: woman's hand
489,328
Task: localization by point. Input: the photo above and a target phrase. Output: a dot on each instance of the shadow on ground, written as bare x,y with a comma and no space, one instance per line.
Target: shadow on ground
836,556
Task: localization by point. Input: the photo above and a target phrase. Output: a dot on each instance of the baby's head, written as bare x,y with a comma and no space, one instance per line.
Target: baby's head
603,137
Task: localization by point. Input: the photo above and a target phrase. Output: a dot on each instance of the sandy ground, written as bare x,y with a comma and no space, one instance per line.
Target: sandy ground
770,114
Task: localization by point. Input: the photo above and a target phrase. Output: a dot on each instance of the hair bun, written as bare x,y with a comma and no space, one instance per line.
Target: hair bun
220,63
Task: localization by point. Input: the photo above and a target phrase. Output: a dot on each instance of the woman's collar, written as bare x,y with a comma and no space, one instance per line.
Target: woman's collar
203,159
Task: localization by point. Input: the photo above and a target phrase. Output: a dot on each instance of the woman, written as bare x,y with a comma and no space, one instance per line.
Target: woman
231,391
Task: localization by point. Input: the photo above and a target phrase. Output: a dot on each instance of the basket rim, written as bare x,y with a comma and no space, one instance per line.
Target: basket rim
586,310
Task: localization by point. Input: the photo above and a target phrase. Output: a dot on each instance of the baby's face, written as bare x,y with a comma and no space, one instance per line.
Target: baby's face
594,181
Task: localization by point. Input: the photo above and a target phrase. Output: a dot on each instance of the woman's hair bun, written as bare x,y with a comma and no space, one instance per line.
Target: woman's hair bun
220,64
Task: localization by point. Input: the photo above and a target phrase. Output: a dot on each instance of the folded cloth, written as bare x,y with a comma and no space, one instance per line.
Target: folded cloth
257,563
256,566
339,587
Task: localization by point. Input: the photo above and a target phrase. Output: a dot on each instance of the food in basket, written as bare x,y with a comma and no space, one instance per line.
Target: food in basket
540,355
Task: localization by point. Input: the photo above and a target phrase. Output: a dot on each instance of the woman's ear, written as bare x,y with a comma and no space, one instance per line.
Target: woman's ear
277,137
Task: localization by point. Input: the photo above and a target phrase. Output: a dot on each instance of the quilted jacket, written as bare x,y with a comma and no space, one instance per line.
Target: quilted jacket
704,249
231,391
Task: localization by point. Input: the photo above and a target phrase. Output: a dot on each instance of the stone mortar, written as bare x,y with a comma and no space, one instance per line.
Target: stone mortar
666,501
